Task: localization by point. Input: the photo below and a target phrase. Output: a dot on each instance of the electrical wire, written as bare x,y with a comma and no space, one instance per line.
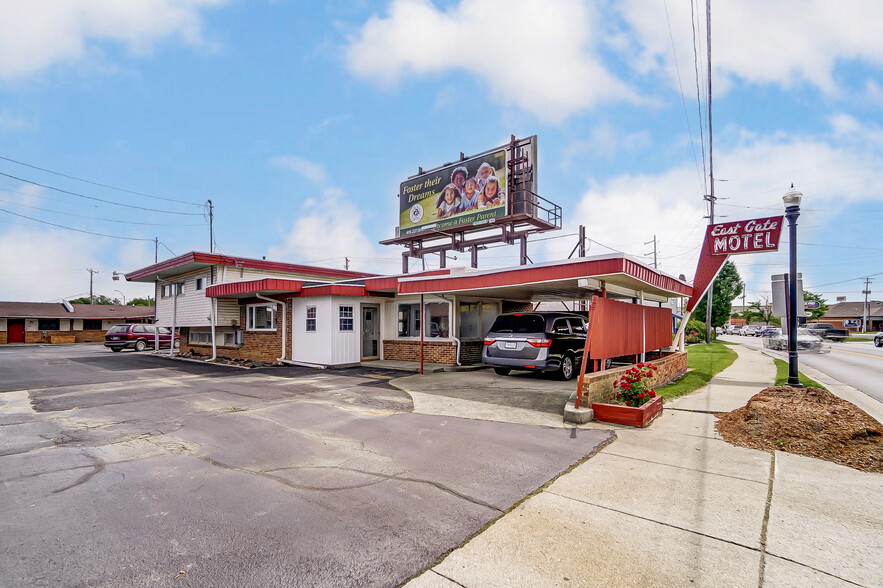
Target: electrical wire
99,199
698,98
97,183
73,229
110,220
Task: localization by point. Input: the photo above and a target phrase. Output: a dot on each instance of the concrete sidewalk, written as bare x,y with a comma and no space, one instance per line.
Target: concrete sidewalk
675,505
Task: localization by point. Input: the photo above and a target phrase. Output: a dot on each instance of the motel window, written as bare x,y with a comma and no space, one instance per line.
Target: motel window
311,318
261,317
476,319
91,325
409,320
437,319
200,283
48,325
346,318
167,289
199,338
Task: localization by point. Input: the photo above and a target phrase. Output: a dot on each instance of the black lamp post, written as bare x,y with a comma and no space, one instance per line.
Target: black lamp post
792,211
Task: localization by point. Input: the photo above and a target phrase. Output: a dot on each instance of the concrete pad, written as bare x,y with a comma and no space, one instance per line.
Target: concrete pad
829,517
431,579
673,422
469,409
787,574
724,507
692,452
577,416
554,541
732,388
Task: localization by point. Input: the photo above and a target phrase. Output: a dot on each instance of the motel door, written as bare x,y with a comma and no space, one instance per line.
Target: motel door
15,331
370,320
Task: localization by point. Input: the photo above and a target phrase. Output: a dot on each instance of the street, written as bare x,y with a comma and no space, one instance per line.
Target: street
132,470
857,363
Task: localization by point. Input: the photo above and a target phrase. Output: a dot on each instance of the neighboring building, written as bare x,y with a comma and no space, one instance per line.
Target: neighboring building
326,317
62,322
849,315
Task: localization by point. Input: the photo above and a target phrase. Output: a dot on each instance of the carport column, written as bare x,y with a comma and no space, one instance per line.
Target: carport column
174,318
643,327
422,318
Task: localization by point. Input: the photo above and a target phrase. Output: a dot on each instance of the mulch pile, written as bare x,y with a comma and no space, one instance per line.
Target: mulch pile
806,421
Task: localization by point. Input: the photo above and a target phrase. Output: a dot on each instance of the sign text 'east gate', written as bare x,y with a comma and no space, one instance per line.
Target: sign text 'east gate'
752,236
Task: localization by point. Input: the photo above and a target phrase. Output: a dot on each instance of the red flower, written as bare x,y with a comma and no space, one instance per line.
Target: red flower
655,367
652,394
615,383
640,365
641,395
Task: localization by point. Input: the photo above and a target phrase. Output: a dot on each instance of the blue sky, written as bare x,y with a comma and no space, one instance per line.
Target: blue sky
299,121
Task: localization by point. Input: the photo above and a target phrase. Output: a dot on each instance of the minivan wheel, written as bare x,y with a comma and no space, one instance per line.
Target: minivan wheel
502,371
140,345
566,370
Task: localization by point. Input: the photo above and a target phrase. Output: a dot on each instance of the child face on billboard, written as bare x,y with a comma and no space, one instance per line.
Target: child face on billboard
491,189
459,179
470,187
449,195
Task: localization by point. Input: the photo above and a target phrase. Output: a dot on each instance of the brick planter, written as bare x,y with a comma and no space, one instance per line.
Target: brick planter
634,416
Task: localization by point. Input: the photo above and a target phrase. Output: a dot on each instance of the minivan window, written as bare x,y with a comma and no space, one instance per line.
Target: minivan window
577,326
561,327
119,329
522,323
139,329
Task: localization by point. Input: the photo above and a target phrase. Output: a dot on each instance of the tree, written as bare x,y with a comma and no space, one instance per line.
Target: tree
727,286
142,302
815,313
99,299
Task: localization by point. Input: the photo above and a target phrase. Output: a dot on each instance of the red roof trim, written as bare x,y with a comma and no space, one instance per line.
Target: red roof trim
534,274
214,259
252,286
392,283
334,290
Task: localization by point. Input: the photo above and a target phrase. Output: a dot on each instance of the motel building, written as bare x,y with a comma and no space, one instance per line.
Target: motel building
239,308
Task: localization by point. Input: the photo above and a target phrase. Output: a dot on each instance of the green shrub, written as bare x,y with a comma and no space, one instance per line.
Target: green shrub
695,332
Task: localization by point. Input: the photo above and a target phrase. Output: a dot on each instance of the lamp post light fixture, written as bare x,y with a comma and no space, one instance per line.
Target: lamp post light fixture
792,211
123,295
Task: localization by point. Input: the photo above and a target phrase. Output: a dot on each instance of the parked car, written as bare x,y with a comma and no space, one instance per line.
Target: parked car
737,329
806,341
770,332
536,341
138,337
827,331
878,339
749,330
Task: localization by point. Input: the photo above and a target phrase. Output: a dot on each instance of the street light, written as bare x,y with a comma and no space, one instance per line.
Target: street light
123,295
792,211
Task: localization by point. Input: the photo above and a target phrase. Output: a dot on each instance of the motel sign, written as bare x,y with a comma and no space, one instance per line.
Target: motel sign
751,236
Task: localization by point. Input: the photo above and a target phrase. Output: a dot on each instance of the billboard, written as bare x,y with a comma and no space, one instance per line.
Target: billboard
469,193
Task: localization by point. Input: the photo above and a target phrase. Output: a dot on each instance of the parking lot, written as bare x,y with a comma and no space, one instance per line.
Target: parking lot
129,469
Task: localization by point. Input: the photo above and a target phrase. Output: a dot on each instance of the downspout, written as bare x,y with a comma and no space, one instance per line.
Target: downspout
284,331
451,334
212,313
174,318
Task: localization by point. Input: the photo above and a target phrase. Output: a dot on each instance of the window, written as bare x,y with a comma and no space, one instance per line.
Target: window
48,325
409,320
223,338
561,327
167,289
311,318
91,325
578,326
261,317
476,319
437,319
231,339
200,283
139,329
199,338
346,318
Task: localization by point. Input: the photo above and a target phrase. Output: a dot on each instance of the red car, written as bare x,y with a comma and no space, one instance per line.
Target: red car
138,337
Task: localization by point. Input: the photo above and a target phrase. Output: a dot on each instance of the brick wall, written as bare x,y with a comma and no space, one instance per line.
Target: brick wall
470,352
599,387
433,351
256,345
90,336
3,338
512,306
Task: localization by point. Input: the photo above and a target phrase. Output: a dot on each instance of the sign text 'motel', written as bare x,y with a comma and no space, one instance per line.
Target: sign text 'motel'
753,236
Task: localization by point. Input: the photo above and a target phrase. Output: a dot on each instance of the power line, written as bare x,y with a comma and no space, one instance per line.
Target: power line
73,229
698,98
99,199
110,220
98,183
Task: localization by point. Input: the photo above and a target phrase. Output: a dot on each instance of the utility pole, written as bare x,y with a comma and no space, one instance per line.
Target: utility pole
155,249
654,251
865,310
211,219
710,198
92,272
346,263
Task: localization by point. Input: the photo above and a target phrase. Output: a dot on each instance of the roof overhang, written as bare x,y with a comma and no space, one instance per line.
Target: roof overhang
622,276
264,286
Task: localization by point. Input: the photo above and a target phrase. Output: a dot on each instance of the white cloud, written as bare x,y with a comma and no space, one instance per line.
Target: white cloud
539,56
38,265
311,171
606,142
13,122
37,34
758,170
786,43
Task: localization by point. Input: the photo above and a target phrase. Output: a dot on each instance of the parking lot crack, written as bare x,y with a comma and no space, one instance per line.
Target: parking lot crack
97,467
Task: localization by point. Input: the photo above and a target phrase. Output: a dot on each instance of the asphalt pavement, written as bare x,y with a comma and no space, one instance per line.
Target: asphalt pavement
132,470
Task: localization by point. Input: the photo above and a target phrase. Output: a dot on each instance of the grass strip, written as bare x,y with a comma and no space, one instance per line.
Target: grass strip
782,376
704,362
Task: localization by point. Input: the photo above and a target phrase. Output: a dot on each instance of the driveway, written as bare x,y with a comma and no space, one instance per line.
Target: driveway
128,469
521,397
